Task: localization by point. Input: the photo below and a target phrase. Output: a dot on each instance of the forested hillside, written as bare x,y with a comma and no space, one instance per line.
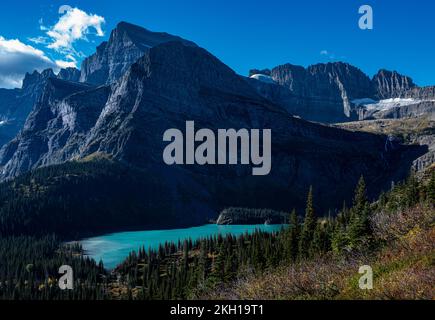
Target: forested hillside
395,236
79,198
29,270
316,257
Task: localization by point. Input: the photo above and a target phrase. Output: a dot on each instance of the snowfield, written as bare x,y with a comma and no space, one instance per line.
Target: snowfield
386,104
263,78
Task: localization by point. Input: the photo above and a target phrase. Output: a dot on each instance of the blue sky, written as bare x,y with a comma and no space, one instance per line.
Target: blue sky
244,34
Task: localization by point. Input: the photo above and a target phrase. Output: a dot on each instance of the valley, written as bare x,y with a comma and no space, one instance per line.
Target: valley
113,249
103,169
174,81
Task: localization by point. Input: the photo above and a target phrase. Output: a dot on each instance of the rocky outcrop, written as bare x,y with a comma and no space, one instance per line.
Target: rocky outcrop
173,83
127,43
55,128
391,84
34,81
69,74
321,92
418,109
421,93
243,216
16,104
329,93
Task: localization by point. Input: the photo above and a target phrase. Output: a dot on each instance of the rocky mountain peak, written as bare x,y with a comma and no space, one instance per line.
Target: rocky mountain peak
35,78
172,83
322,92
127,43
391,84
69,74
142,37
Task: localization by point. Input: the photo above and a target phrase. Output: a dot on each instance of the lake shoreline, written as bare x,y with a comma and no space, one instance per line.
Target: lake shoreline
113,248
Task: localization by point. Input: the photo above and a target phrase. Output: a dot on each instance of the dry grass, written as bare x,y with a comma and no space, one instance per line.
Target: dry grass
409,126
403,269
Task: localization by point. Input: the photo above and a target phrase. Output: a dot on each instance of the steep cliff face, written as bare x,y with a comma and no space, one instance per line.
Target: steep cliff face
55,128
322,92
69,74
16,104
112,59
339,92
399,98
391,84
173,83
126,45
421,93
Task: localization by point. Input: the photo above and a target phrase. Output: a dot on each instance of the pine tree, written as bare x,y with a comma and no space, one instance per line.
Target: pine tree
308,228
202,263
321,239
412,191
217,275
359,226
360,198
293,236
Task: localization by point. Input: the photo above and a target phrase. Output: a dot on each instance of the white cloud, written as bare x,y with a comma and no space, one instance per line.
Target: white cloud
73,25
39,40
64,8
11,81
331,55
16,46
66,64
17,58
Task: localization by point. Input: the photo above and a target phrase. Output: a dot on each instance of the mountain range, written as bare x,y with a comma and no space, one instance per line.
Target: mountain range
339,92
141,83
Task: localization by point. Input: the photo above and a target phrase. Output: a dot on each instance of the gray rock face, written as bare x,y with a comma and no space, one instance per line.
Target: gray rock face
322,92
326,92
126,45
60,115
243,216
426,139
16,104
424,108
421,93
173,83
419,101
36,80
69,74
390,84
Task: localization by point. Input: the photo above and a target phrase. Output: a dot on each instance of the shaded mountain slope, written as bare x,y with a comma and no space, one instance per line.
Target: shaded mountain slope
76,199
16,104
339,92
173,83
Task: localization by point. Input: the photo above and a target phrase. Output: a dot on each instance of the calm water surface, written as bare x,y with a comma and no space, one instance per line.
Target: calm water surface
113,248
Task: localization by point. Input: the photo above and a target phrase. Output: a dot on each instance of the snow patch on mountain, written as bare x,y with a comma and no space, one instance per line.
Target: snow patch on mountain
386,104
263,78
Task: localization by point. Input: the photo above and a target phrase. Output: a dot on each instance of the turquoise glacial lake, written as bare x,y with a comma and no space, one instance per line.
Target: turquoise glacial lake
113,248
